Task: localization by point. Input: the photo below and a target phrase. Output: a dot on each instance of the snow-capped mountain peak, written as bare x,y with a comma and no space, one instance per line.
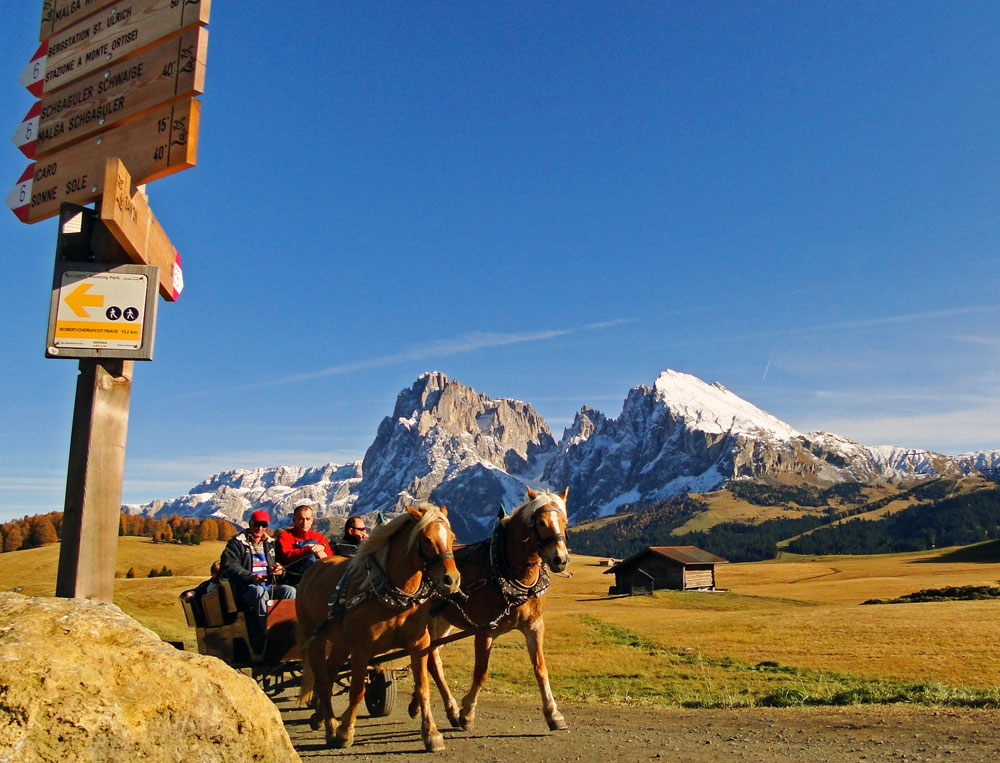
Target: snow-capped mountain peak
713,408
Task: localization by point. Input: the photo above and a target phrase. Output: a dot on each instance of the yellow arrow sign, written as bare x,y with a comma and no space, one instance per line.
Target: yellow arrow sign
78,300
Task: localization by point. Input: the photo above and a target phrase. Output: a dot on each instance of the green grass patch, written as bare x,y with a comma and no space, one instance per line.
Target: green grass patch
649,672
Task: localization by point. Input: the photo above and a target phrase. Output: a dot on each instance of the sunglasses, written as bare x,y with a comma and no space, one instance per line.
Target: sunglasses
259,524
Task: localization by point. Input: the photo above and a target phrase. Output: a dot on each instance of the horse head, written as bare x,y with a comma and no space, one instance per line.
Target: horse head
547,524
432,540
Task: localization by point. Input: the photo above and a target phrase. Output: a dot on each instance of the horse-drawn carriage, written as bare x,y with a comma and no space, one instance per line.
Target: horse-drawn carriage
221,630
406,587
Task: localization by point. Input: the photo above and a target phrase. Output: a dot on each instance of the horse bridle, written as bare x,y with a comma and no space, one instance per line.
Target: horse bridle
431,561
549,508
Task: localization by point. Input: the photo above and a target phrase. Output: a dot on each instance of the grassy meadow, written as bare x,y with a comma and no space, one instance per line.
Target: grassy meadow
791,631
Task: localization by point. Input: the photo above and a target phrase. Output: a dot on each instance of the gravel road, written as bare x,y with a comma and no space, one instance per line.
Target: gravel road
509,731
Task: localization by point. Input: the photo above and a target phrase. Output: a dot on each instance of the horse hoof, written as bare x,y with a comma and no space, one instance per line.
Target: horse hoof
434,743
466,723
341,742
454,720
315,721
414,708
557,723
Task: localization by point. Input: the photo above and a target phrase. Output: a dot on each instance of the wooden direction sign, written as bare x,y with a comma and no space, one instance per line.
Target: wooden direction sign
94,43
169,71
127,215
158,144
59,14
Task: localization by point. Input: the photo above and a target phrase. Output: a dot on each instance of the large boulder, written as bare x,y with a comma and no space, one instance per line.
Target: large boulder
82,681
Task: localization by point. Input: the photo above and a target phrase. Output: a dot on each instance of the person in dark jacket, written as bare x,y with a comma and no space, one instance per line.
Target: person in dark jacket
248,564
355,532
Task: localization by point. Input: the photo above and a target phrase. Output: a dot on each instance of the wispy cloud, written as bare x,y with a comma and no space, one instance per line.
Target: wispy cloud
440,348
972,427
910,317
986,341
33,484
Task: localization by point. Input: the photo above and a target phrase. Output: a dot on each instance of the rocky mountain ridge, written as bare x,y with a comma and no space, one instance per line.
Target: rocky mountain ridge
446,443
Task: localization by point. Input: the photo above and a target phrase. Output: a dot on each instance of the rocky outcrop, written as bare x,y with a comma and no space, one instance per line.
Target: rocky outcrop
683,435
443,432
81,681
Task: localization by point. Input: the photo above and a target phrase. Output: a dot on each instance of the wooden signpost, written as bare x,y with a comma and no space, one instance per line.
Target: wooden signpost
57,15
94,43
127,215
172,70
117,81
153,146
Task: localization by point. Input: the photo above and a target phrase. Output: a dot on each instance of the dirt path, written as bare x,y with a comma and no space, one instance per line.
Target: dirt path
508,731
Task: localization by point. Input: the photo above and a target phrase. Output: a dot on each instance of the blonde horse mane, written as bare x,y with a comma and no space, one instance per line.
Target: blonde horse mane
525,510
379,540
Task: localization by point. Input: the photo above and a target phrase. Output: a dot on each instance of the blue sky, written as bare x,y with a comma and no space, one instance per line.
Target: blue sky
552,202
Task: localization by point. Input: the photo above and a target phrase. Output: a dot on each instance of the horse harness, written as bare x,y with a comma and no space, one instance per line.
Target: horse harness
381,588
513,592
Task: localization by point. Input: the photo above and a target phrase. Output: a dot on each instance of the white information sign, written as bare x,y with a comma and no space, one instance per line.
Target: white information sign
102,311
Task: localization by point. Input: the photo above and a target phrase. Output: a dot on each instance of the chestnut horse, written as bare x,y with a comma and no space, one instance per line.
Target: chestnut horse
505,579
371,604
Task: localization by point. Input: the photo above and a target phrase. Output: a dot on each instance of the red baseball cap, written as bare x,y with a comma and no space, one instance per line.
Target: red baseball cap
260,516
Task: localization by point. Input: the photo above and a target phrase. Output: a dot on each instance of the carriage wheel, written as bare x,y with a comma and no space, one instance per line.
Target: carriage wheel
380,693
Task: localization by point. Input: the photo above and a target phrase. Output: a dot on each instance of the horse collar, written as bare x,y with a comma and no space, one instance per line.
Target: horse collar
513,589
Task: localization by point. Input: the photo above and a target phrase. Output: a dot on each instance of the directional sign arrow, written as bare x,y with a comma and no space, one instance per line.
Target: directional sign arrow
33,76
26,135
130,220
168,71
79,300
19,199
95,43
158,144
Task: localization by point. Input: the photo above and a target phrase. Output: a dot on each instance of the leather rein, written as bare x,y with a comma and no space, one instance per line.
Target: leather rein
513,592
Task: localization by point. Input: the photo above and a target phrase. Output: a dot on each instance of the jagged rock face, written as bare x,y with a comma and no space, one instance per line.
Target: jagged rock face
442,432
446,443
82,681
987,462
683,435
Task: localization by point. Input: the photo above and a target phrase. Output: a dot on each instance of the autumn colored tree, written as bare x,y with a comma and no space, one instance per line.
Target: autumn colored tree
57,522
42,532
227,530
208,529
13,538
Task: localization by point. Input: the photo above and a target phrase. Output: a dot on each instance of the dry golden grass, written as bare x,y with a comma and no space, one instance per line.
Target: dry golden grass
804,613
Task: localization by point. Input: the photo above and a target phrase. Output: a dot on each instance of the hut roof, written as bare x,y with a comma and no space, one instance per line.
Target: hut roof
681,554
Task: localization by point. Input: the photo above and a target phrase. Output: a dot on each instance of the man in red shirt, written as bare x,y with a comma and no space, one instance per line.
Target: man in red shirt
299,546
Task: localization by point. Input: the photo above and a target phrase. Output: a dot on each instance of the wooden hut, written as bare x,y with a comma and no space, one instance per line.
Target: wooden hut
681,568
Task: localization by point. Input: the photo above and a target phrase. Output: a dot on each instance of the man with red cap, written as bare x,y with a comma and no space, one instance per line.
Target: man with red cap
249,566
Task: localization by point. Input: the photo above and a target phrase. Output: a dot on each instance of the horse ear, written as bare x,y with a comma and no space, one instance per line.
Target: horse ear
532,495
444,510
412,511
564,494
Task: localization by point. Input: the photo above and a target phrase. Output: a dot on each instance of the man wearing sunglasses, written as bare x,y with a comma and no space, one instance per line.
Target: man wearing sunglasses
248,564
